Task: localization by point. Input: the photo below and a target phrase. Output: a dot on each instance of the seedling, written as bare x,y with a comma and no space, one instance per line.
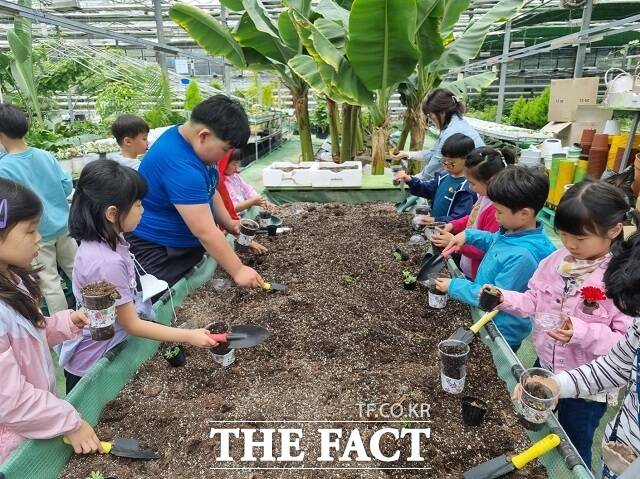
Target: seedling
397,256
408,277
95,475
171,352
347,278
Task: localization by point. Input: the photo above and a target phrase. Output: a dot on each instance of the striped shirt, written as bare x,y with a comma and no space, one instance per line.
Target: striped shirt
616,369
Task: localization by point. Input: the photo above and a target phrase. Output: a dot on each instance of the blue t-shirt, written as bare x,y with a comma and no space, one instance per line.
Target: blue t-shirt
444,195
175,176
40,171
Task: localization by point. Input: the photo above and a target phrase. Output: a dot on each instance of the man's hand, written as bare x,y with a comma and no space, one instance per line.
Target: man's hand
248,278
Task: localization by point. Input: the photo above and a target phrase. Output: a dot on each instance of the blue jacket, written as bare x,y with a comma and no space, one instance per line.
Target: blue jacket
509,262
461,203
433,157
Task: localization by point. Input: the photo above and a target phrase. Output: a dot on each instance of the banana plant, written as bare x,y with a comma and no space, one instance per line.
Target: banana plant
440,52
256,43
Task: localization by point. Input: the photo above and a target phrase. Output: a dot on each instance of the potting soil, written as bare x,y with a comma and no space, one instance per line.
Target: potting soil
346,334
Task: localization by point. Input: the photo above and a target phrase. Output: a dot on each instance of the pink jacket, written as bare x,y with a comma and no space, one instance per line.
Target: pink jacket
29,407
593,334
486,221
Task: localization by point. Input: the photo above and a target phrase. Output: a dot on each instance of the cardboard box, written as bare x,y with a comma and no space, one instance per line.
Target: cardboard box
567,95
569,132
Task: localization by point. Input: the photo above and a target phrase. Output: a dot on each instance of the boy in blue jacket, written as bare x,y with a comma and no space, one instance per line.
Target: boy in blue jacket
449,191
512,253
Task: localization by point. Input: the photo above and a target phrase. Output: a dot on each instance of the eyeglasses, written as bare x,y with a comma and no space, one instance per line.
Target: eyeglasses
449,162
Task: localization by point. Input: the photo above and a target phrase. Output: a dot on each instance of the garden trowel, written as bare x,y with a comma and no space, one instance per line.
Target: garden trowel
125,447
503,465
433,263
274,287
466,335
242,336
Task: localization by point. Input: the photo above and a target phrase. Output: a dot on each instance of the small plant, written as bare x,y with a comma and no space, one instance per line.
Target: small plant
95,475
405,423
172,352
397,256
408,277
347,278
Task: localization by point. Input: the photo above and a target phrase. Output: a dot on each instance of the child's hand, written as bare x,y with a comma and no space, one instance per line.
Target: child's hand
79,319
247,277
565,333
402,176
442,239
442,284
257,200
200,338
257,248
84,439
424,220
457,241
448,228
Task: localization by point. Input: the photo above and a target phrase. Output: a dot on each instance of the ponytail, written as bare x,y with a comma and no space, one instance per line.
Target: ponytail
443,101
485,162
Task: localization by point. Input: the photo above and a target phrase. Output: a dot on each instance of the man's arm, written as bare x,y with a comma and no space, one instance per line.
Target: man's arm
221,215
200,221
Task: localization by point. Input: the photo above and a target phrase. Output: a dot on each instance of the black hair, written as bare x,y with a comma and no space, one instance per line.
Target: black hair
236,155
128,126
518,187
485,162
441,100
591,207
622,277
225,117
20,204
13,121
457,146
103,183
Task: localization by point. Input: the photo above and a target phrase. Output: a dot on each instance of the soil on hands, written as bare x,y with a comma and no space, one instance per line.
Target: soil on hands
346,333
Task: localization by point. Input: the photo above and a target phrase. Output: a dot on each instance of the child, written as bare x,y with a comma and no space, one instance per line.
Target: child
29,407
617,368
479,167
451,194
589,219
131,133
512,254
242,194
41,172
106,205
224,166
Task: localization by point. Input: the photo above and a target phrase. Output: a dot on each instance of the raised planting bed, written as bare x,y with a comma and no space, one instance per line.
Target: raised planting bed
345,333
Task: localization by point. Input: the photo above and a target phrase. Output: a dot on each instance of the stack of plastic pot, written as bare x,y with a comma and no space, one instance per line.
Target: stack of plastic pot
598,155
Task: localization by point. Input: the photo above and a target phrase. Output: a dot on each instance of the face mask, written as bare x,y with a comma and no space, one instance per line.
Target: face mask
151,286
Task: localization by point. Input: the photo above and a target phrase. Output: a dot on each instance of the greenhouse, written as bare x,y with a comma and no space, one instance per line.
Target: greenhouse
319,238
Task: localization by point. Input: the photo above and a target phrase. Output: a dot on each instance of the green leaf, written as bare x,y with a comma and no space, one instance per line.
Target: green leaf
249,36
287,30
303,7
256,61
452,12
326,50
21,52
305,67
380,46
467,46
260,17
332,11
351,86
429,40
233,5
474,82
334,32
208,33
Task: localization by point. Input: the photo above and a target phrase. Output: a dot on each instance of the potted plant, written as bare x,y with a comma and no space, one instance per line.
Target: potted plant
320,120
591,295
409,280
175,355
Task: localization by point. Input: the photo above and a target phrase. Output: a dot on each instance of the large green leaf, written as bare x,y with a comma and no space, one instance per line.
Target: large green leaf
325,48
305,67
429,7
453,10
351,86
233,5
208,33
260,17
474,82
287,30
303,7
249,36
21,51
380,46
467,46
305,29
429,40
332,11
333,31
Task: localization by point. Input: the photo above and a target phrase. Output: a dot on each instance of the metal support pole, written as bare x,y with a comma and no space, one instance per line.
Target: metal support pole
503,71
160,56
626,159
582,46
226,69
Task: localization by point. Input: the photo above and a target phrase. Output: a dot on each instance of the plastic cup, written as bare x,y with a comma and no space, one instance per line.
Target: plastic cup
264,219
394,171
430,230
248,230
453,365
546,322
537,399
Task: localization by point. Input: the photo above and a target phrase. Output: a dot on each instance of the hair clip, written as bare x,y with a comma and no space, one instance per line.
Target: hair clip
454,98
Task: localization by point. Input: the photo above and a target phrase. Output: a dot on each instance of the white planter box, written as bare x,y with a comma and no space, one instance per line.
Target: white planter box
333,175
282,173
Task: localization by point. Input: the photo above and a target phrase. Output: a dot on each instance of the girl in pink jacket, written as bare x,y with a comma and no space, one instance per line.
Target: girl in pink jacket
479,167
29,407
570,283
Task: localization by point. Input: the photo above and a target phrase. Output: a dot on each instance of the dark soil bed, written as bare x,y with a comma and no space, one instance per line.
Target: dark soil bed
347,332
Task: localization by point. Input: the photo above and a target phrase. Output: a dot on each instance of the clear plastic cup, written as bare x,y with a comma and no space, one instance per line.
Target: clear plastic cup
538,397
453,364
546,321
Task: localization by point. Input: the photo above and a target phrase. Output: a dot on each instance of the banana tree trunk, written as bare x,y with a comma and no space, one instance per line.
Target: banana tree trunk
301,106
359,133
347,133
403,136
378,147
334,129
417,124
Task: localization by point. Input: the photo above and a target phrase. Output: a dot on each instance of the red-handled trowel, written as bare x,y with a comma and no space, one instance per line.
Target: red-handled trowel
504,464
242,336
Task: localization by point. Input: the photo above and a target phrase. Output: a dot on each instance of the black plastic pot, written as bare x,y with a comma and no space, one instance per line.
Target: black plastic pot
489,298
264,219
401,254
473,410
409,286
272,230
179,360
248,230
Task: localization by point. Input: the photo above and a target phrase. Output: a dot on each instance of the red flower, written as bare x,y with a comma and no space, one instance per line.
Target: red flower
592,294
